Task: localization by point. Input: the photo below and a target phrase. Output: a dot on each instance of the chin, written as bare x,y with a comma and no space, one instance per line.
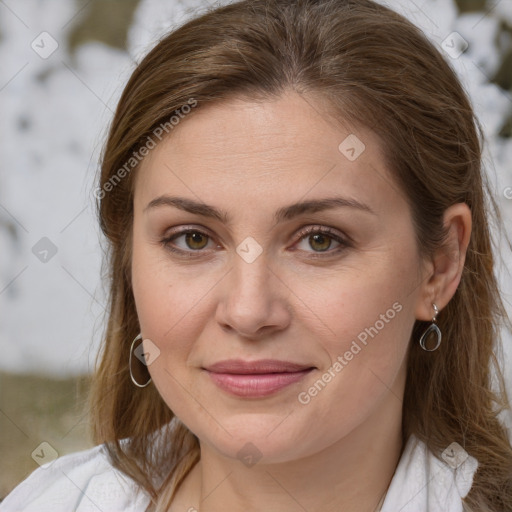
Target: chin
266,440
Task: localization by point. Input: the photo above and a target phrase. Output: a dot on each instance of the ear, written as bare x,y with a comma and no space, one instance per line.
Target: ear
445,268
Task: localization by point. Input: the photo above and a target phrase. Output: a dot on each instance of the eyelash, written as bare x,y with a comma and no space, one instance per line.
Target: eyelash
345,243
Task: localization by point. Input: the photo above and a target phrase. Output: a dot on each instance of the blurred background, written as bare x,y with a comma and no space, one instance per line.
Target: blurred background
63,66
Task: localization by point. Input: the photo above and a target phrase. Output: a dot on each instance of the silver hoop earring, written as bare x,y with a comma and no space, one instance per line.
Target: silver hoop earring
139,337
432,329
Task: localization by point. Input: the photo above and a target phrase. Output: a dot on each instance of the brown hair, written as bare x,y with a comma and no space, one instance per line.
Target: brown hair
371,66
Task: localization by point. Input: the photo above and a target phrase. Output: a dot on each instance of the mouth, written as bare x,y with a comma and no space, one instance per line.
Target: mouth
254,379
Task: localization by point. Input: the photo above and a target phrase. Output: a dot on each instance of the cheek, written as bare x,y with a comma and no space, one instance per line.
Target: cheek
162,294
170,307
365,362
366,300
174,303
364,322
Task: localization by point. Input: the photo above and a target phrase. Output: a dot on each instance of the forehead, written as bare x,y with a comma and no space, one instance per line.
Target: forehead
268,151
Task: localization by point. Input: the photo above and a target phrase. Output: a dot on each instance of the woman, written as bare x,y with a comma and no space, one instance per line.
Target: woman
303,307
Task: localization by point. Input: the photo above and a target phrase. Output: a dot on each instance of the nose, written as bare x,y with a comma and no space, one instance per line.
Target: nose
254,300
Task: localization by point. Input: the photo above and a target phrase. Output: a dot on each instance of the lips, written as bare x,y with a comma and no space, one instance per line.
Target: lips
256,379
263,366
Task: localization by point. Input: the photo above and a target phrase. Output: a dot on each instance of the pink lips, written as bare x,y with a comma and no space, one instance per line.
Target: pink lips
256,378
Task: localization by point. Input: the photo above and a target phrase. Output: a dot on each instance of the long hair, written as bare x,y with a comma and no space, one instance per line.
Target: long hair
371,66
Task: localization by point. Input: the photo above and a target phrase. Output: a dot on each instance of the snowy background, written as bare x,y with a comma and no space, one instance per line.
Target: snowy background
58,90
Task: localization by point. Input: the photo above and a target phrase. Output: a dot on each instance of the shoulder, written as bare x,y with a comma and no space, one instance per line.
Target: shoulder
424,483
80,482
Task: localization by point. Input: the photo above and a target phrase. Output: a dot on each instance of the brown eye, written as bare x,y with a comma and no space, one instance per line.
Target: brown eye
196,240
320,241
193,241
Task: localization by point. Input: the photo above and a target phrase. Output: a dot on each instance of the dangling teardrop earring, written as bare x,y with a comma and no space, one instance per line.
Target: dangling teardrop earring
432,330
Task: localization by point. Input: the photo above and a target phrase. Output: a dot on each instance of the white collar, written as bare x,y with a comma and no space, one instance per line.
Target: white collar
423,483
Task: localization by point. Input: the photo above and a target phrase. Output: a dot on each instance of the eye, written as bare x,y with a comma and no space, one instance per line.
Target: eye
194,240
320,239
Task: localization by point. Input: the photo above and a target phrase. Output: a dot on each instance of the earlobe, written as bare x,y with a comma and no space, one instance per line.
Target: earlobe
448,262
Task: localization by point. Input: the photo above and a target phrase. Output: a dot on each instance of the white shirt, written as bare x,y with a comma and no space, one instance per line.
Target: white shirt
86,482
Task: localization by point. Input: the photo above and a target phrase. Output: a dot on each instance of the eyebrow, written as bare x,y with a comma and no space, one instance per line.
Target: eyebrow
284,213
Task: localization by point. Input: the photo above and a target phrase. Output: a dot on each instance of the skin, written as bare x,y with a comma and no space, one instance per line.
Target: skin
340,450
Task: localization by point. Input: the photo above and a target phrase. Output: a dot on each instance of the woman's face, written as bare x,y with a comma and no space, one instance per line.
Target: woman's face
257,277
